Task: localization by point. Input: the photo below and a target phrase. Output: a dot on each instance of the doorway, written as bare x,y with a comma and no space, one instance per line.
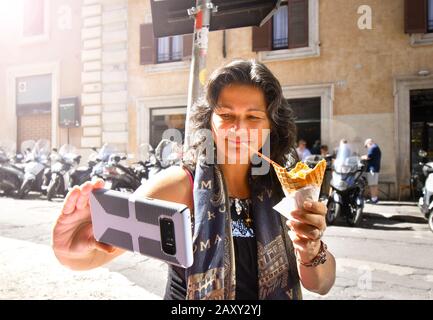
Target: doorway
421,124
33,107
307,113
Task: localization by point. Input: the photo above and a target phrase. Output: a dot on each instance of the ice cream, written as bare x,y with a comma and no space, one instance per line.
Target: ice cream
301,176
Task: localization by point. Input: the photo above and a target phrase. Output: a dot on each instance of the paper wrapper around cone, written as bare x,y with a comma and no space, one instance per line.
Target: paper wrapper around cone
299,184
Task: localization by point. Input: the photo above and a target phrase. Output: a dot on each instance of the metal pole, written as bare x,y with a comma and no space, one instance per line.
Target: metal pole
198,73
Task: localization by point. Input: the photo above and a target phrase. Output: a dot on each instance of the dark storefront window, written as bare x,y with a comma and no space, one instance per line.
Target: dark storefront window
162,119
430,16
308,115
33,95
421,124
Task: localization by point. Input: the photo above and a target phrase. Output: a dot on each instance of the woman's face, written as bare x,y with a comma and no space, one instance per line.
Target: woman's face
240,117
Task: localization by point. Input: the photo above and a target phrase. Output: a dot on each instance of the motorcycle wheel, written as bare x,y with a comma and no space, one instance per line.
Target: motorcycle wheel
25,188
354,216
430,220
52,189
334,210
8,192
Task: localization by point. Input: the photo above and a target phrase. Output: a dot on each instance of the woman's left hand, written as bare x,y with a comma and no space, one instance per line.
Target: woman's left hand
307,226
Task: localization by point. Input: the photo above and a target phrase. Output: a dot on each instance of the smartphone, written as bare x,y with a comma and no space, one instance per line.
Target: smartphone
152,227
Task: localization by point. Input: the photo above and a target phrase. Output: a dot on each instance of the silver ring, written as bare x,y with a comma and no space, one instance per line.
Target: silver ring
320,234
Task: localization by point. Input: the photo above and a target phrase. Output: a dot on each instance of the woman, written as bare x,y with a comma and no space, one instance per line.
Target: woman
243,249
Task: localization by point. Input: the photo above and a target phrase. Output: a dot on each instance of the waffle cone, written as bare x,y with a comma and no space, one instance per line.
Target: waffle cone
300,176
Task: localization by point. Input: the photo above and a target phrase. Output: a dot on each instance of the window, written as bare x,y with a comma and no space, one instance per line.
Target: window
418,16
159,51
292,33
307,118
288,28
33,94
162,119
170,49
430,16
418,21
35,19
280,29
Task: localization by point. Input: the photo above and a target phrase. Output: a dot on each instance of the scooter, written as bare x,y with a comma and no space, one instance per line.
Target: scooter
425,202
36,162
167,153
84,173
100,160
118,176
64,162
148,165
347,196
11,176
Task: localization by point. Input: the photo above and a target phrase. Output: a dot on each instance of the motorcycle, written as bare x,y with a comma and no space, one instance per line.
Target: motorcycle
84,173
35,163
146,167
167,154
347,196
11,175
119,176
425,202
63,165
122,177
100,160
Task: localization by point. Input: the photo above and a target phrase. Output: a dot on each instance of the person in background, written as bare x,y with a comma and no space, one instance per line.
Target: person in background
302,150
373,157
344,150
324,150
326,185
316,147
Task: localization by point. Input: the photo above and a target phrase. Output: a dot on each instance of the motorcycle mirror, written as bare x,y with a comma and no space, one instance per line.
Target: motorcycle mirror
124,157
422,153
117,158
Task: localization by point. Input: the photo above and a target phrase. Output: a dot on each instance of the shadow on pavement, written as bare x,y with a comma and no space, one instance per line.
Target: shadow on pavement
396,218
396,204
375,221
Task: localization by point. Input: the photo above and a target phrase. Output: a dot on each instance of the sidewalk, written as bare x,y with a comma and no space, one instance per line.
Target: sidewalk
31,271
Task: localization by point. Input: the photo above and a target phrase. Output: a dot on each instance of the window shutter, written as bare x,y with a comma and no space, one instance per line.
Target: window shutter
187,45
298,23
262,37
147,44
415,16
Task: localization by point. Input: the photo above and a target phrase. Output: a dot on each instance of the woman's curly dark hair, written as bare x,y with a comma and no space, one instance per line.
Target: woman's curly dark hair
253,73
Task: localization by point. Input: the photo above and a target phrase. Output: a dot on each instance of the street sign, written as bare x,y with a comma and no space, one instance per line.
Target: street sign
171,17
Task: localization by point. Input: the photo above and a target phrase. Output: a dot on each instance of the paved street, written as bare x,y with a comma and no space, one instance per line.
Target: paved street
389,257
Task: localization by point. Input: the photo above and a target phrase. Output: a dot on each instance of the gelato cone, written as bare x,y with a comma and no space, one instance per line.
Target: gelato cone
301,176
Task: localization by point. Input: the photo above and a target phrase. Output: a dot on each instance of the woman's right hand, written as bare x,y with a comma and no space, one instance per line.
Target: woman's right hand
73,240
